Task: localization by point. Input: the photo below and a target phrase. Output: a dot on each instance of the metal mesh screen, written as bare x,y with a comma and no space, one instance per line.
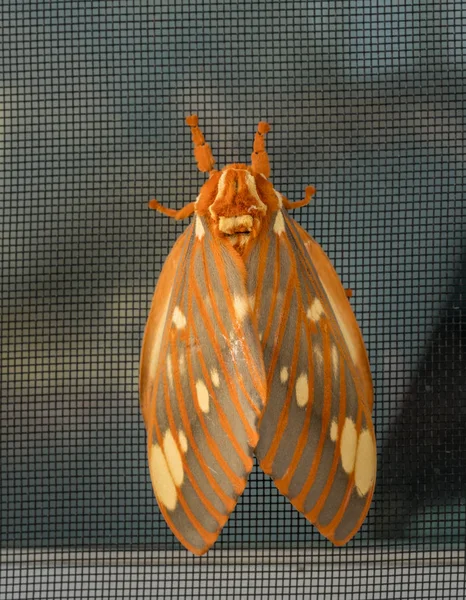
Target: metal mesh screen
366,101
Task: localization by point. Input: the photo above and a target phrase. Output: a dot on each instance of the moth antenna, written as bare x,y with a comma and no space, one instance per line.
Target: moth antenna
259,157
202,151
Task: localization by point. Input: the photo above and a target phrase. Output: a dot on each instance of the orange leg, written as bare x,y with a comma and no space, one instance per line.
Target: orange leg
184,212
310,191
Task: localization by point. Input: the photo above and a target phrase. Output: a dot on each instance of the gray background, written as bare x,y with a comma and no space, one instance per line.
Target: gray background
366,102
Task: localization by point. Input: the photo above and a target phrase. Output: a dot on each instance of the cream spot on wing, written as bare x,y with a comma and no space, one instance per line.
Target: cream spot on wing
162,482
202,396
318,358
302,390
215,378
334,431
279,198
315,311
241,307
252,301
335,359
183,441
182,364
178,318
279,225
169,370
348,444
260,335
199,229
284,375
173,456
366,462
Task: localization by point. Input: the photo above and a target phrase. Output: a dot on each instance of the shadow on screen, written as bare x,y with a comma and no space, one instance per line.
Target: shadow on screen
424,460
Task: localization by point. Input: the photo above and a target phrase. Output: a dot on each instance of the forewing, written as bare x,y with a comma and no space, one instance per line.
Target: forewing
316,435
202,386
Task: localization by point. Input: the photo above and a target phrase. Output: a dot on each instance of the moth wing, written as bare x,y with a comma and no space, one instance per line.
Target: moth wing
316,434
202,386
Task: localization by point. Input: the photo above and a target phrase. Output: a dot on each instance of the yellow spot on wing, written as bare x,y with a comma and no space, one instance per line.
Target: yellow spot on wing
241,307
279,198
162,482
215,377
348,444
182,364
178,318
364,474
334,431
302,390
279,225
173,457
170,370
199,229
284,375
315,311
202,396
183,441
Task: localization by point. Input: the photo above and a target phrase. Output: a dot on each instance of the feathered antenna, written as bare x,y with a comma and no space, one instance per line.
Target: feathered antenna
202,151
259,157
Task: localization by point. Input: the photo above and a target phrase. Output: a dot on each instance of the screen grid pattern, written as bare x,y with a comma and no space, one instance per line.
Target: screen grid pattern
366,102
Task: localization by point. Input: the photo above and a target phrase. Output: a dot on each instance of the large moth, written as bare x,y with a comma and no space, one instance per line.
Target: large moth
251,347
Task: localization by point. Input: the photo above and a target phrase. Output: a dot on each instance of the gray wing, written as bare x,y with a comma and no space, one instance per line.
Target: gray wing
202,387
316,435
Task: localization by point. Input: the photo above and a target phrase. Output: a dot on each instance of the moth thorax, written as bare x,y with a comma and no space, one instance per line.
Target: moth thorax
237,208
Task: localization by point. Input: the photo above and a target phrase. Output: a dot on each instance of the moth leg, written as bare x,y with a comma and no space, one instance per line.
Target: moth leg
184,212
310,191
202,151
349,293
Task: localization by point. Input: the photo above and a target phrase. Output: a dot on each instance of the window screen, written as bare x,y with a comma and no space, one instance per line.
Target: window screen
366,102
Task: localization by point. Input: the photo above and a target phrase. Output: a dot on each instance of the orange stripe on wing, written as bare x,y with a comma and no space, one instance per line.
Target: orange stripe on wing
359,522
255,374
227,501
178,279
321,295
262,263
218,516
283,483
245,458
271,309
266,462
314,513
298,501
200,530
329,530
224,332
237,482
252,434
179,535
207,536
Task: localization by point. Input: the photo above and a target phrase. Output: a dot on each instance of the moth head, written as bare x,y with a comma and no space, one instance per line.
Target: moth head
234,199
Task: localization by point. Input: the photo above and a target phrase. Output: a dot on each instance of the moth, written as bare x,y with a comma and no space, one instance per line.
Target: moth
251,347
